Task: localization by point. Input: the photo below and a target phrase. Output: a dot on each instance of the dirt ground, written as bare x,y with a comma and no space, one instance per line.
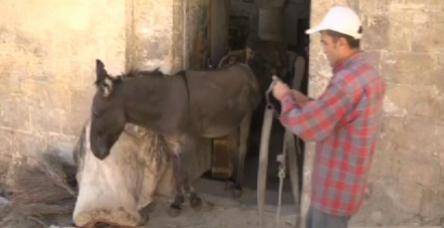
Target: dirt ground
218,210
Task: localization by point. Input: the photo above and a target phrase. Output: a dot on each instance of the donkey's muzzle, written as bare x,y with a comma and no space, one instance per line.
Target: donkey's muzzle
99,150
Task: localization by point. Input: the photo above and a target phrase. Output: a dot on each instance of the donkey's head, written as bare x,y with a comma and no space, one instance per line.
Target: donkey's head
107,113
267,58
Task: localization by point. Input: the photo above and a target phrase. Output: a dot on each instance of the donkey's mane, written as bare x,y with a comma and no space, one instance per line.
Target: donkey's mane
138,73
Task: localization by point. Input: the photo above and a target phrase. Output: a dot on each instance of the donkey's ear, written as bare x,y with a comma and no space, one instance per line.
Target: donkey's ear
103,82
100,71
249,53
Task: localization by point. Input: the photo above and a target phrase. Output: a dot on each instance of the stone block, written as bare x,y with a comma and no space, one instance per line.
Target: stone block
374,58
406,197
80,112
438,72
425,134
379,7
407,155
47,96
375,24
417,167
431,205
409,68
428,29
423,101
400,24
5,142
402,133
425,5
5,154
320,71
27,144
46,121
14,112
390,203
440,58
385,160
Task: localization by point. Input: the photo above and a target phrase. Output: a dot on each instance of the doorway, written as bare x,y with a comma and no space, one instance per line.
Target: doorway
234,25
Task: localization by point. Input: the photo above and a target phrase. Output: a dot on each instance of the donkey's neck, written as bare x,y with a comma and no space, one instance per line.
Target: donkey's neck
148,99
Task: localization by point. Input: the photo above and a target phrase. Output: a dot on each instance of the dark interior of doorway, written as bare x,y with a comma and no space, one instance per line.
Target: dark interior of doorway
243,24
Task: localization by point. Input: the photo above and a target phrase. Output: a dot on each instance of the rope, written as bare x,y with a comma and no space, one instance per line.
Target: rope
281,158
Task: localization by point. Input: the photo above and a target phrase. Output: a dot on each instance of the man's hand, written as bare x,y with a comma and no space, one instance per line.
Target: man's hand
300,98
280,89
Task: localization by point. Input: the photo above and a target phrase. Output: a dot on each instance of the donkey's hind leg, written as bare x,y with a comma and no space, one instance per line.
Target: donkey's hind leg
195,200
239,158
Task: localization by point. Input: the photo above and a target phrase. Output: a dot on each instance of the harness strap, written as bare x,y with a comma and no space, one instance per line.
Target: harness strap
263,163
267,125
183,75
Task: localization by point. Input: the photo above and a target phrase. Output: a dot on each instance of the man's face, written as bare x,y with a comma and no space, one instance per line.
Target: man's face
331,48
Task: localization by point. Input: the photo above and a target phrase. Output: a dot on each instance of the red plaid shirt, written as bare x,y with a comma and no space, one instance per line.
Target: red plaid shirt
344,122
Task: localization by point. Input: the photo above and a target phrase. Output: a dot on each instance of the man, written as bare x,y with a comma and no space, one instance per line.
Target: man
344,121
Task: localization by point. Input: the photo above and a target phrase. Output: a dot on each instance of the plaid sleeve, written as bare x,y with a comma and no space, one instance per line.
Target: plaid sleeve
317,118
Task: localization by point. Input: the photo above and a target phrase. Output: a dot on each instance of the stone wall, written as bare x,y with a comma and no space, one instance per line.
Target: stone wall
403,39
48,49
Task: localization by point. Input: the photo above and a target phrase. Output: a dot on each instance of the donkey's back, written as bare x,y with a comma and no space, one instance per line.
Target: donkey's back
220,99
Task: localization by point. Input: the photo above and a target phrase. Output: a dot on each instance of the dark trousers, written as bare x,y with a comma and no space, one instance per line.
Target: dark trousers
319,219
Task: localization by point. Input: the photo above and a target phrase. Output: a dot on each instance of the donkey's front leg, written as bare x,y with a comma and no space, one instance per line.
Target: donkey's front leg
179,199
188,189
188,184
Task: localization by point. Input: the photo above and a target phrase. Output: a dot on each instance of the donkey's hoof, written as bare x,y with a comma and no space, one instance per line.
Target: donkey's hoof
174,211
144,214
209,205
236,192
229,185
196,203
144,220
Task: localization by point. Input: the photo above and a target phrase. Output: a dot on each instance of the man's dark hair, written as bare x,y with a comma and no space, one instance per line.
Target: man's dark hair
352,42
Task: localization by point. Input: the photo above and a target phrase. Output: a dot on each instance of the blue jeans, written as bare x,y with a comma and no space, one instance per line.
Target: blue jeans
319,219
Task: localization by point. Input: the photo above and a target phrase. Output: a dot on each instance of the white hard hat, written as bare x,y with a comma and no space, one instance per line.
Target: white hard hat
340,19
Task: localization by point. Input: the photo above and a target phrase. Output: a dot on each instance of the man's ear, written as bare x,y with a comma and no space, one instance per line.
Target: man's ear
249,53
342,42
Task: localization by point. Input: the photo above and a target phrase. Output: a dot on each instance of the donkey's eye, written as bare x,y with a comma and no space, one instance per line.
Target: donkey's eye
95,113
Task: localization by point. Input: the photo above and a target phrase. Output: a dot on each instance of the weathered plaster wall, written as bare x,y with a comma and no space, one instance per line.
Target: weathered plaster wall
47,54
194,36
403,39
151,32
47,62
163,33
